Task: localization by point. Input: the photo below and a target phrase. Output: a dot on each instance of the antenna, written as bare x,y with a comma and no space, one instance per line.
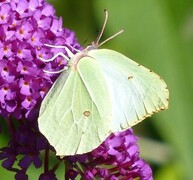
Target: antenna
103,28
111,37
96,43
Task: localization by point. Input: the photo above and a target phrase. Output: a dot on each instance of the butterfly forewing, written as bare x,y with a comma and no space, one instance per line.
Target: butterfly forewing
73,117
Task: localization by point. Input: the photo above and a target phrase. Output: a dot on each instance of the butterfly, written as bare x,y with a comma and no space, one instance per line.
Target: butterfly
101,92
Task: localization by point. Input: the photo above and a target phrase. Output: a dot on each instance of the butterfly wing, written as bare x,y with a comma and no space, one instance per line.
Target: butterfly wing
135,91
75,114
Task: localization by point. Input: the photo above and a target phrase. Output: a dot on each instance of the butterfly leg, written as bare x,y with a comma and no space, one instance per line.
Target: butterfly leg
59,46
55,56
56,72
68,51
77,50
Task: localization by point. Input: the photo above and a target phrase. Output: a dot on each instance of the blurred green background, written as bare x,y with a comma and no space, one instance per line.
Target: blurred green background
159,35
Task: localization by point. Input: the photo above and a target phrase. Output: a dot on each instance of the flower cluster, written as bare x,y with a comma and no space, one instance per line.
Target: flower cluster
116,158
25,27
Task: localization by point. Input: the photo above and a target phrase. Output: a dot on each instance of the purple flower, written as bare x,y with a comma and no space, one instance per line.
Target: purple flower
25,27
116,158
9,157
48,176
21,175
